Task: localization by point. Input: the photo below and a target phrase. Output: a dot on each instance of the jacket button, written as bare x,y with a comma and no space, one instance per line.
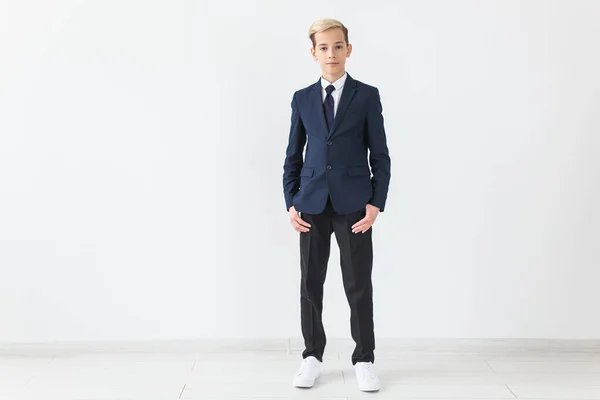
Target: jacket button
329,143
329,167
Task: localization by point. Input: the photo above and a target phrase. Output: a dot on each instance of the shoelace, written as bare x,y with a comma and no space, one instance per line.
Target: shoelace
368,371
303,366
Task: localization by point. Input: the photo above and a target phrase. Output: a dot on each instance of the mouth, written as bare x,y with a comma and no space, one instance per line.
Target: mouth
332,63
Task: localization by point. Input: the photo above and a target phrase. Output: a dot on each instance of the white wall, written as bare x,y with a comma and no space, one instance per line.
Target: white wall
141,151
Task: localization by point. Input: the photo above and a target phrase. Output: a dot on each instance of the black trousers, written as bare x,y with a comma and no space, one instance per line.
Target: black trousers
356,251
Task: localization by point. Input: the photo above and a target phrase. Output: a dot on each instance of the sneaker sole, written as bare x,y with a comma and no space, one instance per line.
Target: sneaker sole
369,389
305,384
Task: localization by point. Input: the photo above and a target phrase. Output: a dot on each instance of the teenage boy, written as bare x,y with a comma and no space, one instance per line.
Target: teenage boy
331,190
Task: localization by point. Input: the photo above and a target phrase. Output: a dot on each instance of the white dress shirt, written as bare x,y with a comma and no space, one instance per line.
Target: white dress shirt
337,93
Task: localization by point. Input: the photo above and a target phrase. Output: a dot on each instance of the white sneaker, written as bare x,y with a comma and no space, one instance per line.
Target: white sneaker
309,371
365,375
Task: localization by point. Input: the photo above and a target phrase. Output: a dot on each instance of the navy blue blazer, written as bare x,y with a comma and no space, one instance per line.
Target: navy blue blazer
336,161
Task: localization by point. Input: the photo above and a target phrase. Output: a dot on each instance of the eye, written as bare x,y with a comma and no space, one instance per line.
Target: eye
322,48
339,46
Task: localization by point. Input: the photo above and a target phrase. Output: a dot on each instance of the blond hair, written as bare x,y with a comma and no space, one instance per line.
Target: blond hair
324,24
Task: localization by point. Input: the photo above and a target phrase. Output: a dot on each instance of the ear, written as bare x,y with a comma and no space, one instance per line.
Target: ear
349,50
314,54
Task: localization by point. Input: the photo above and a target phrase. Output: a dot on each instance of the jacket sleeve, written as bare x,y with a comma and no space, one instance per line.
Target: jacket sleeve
379,157
293,156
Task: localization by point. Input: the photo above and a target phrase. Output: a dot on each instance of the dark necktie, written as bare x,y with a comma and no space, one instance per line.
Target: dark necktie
328,106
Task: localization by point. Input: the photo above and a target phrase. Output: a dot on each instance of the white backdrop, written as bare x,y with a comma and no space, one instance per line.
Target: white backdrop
141,153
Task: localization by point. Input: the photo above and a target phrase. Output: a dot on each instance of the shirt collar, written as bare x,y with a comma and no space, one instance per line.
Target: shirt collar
337,84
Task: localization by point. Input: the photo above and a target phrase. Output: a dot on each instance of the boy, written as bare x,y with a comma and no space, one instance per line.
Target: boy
339,119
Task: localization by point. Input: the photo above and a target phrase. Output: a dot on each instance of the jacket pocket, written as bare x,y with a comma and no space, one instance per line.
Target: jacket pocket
307,171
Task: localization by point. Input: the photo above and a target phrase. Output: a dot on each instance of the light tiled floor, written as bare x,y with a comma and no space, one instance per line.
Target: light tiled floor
205,370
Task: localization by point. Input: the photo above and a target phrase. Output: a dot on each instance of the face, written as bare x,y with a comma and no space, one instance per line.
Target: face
331,52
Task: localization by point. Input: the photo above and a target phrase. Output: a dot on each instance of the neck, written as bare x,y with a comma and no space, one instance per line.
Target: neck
332,78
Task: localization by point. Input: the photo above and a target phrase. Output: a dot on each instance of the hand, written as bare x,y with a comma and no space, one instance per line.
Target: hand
365,224
298,223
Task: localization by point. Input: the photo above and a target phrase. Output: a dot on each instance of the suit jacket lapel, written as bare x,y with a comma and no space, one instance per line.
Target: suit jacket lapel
316,99
348,92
